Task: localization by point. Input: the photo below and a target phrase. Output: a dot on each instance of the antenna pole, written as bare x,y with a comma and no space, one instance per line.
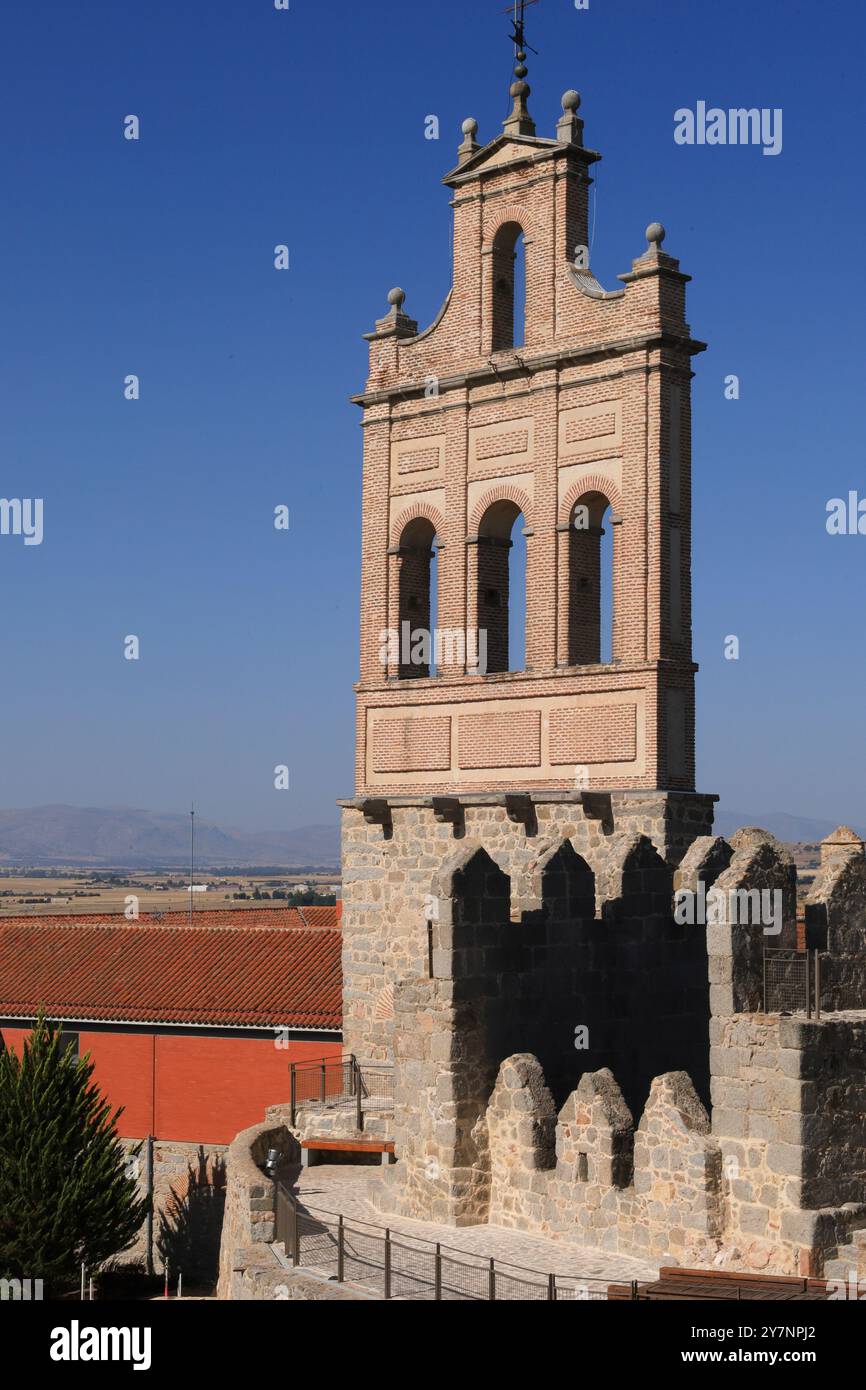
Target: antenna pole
191,859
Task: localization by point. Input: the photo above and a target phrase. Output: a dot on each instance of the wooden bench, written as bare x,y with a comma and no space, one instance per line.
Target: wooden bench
684,1285
385,1147
782,1284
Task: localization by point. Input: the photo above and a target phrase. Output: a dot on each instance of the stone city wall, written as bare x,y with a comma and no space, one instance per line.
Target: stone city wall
250,1215
178,1167
789,1096
777,1181
588,1175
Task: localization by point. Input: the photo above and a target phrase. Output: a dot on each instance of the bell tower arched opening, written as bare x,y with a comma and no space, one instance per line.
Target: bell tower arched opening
591,567
502,611
509,288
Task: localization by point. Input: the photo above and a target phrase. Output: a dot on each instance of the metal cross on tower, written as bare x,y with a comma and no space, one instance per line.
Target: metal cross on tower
518,13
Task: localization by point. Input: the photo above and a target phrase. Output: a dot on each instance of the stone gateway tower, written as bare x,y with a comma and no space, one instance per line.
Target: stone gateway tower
521,805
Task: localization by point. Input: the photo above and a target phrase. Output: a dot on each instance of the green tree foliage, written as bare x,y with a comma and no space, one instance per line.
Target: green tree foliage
66,1192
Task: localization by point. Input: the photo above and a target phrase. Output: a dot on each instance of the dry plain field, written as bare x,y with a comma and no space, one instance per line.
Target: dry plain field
64,893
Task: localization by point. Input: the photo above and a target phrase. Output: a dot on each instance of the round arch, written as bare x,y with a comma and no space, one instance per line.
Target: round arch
504,492
416,512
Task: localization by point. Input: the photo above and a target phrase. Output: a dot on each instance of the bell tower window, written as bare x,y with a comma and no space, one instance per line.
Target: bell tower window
509,288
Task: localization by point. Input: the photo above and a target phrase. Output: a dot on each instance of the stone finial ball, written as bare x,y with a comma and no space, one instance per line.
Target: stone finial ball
571,100
655,233
470,126
397,298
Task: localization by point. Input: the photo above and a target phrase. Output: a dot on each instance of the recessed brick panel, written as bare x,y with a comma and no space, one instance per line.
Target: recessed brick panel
412,745
589,427
500,445
597,734
500,740
419,461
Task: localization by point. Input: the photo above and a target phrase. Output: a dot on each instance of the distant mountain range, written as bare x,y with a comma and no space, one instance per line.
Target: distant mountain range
119,837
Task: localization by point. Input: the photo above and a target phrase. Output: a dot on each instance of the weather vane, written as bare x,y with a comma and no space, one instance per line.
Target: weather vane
518,21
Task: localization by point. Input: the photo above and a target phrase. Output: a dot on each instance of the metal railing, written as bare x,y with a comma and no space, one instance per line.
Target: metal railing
813,982
341,1082
405,1267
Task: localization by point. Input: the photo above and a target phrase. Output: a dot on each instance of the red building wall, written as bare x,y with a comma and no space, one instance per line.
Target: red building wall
195,1089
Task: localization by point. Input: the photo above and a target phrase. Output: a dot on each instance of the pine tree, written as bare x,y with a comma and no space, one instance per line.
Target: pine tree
66,1195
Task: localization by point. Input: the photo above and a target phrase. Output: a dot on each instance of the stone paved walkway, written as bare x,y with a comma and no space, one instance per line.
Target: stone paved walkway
340,1189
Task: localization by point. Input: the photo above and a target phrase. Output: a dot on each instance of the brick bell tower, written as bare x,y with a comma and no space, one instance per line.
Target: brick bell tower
565,427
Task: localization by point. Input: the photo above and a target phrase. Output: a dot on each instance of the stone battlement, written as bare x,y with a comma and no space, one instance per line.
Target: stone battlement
400,855
766,1185
569,985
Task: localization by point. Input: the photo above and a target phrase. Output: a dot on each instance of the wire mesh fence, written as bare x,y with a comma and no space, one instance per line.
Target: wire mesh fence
340,1083
786,981
317,1083
409,1268
813,982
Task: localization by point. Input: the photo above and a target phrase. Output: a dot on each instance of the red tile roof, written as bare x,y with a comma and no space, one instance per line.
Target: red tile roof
201,917
322,916
155,972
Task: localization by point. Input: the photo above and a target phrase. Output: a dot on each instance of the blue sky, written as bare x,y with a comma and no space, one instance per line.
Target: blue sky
307,127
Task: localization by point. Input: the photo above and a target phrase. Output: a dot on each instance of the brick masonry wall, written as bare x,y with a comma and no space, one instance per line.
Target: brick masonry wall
459,425
595,406
608,732
637,693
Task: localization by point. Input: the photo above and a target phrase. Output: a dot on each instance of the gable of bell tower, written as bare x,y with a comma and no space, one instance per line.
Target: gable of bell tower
568,433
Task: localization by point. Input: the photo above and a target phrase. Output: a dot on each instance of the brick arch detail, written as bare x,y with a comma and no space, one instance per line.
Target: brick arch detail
414,513
593,483
505,492
510,213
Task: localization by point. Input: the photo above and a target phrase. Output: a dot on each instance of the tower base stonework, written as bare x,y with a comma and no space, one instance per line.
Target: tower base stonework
394,850
620,1146
480,926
